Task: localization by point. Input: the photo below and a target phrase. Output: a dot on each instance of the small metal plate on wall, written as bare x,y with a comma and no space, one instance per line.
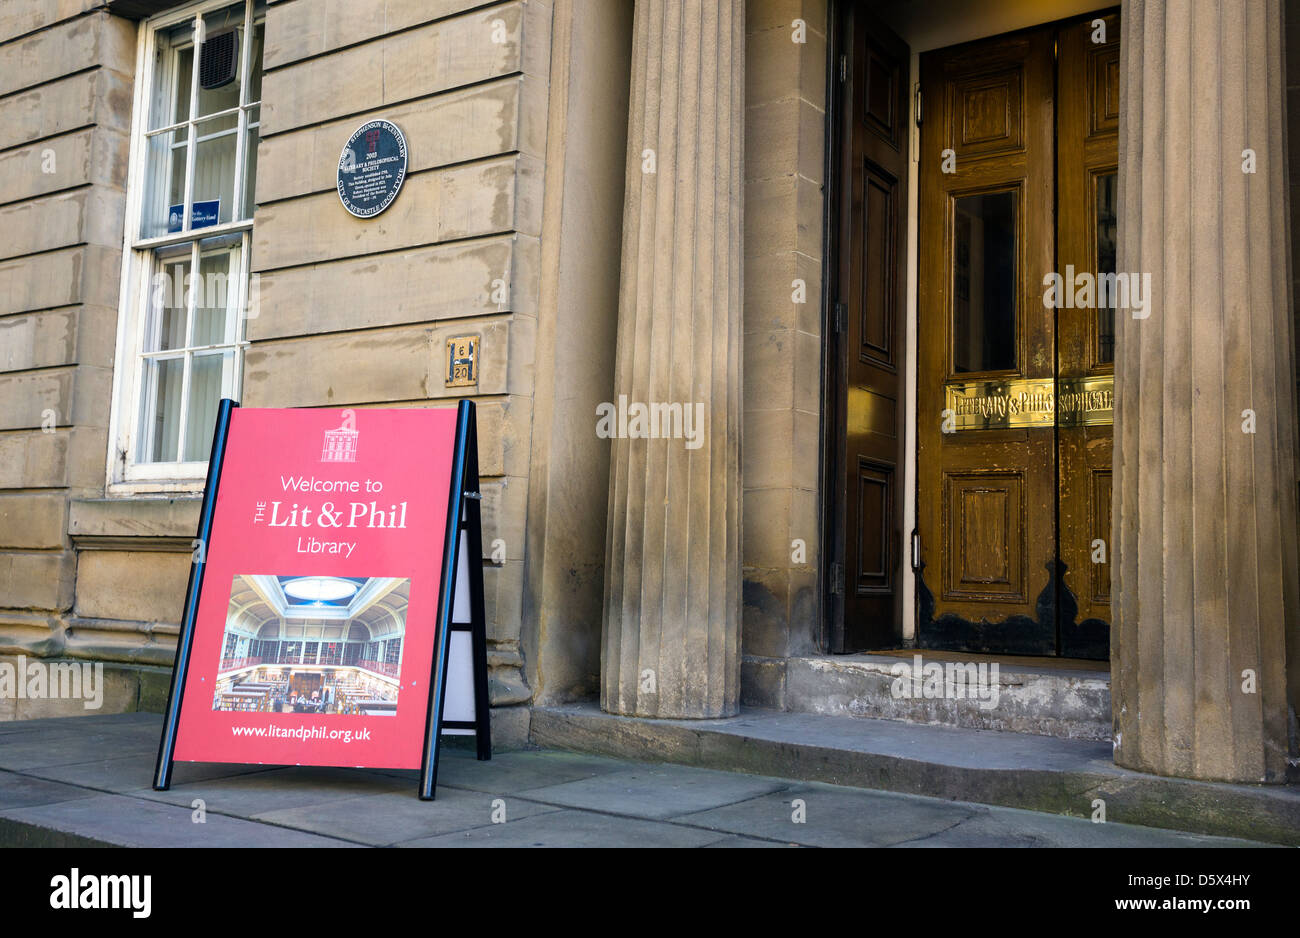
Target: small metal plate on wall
1031,402
462,361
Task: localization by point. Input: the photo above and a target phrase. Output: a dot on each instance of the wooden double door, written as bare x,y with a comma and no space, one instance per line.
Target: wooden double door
1017,223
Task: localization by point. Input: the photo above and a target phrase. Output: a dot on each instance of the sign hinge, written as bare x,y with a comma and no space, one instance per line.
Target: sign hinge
919,105
844,67
837,579
841,317
916,549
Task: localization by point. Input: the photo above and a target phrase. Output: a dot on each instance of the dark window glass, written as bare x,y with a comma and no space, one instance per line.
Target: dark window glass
984,282
1107,191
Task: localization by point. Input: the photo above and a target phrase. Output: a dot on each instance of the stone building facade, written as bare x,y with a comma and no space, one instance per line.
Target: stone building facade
641,199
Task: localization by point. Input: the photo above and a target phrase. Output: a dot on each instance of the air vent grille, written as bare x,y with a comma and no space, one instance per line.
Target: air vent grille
219,60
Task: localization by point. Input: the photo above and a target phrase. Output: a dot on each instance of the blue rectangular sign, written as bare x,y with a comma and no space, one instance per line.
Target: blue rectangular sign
202,215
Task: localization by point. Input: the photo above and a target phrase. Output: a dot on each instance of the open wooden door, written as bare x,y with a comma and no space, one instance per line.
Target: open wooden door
866,336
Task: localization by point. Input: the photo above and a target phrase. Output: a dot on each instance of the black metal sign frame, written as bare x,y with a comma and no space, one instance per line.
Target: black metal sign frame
463,521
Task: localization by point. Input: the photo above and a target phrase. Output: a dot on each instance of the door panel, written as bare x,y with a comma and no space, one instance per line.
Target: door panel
986,509
875,497
988,529
988,112
1087,160
870,289
877,286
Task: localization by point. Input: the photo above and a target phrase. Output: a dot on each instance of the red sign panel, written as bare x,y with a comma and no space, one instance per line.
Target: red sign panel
315,630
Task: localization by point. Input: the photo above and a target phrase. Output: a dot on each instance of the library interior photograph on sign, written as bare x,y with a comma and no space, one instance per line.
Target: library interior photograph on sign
352,665
679,423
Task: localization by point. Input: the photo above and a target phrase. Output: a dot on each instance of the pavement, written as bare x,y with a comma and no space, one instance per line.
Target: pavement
84,781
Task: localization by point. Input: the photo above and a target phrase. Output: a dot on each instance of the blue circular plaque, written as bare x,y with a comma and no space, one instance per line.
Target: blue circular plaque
371,168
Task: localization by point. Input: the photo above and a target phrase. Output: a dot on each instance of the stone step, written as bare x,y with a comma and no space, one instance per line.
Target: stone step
1045,697
1074,777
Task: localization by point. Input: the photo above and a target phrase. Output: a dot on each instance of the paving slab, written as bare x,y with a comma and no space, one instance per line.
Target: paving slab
63,749
656,791
1008,827
146,733
133,772
389,818
835,817
573,829
111,722
510,772
22,791
17,733
136,822
256,793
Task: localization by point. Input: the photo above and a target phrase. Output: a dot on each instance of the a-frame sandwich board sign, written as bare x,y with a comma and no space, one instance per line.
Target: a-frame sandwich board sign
458,701
371,541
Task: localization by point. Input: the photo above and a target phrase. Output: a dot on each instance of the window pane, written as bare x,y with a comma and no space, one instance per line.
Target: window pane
165,328
184,77
1107,222
250,163
255,66
221,57
206,381
213,126
164,183
172,67
214,298
160,422
214,172
984,282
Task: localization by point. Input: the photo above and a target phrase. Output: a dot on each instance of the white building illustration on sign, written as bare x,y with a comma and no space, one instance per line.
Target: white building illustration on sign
341,443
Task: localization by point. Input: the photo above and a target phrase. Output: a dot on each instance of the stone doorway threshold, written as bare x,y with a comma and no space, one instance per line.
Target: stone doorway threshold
1038,773
1044,696
1023,662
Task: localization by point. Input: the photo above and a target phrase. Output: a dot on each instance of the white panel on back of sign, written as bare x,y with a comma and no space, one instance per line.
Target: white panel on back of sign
458,705
461,613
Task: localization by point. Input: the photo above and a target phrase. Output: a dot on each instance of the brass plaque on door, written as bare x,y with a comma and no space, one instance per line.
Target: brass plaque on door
1086,402
1030,402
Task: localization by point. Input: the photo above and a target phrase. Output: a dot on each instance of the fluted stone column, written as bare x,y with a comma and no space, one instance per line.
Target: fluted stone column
671,639
1205,585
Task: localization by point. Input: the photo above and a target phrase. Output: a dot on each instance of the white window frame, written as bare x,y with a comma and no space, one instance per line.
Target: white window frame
125,474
